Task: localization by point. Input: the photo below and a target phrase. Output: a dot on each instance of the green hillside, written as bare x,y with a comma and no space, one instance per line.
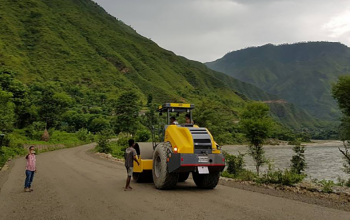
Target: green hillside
77,43
73,55
299,73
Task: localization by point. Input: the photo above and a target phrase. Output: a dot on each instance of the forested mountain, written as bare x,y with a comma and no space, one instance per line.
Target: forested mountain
77,43
66,62
300,73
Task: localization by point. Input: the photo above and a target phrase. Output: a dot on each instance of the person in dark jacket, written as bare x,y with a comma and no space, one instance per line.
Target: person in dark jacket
130,157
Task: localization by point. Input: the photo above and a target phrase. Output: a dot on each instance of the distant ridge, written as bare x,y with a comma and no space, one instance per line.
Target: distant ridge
300,73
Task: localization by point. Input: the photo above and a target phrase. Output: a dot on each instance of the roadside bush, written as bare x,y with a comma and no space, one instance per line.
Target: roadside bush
14,140
286,177
227,174
327,185
117,150
84,135
35,130
10,152
235,170
62,137
119,146
103,143
298,160
142,136
234,163
244,175
123,142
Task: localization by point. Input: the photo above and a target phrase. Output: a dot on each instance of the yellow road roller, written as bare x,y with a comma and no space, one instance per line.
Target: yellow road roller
186,148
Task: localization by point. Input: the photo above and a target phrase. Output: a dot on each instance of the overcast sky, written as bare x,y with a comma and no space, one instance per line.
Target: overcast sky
205,30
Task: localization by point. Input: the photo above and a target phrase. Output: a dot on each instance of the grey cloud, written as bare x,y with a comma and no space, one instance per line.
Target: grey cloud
205,30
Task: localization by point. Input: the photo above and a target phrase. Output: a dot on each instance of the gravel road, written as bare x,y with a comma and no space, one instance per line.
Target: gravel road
75,184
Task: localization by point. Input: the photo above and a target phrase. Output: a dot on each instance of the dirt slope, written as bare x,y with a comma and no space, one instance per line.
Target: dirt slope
73,184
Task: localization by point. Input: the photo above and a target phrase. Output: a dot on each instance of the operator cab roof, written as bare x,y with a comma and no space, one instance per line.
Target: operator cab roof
176,107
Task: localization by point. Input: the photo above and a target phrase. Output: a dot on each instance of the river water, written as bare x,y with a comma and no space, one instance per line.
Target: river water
324,160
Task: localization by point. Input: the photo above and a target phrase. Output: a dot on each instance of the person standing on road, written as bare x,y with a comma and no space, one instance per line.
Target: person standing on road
130,157
30,169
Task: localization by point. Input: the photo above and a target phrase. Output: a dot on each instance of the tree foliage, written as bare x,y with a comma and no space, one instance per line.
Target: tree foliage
103,142
298,160
126,111
341,92
235,163
7,112
219,119
256,124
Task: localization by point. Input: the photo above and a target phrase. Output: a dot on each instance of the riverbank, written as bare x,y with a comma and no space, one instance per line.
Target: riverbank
303,192
308,192
324,161
313,143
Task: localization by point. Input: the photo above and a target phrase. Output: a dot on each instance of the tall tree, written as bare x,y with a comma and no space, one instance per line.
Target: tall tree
126,113
217,118
341,92
23,108
7,112
52,102
256,125
298,160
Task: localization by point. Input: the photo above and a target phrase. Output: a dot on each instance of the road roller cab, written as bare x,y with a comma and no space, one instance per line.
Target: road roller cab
186,148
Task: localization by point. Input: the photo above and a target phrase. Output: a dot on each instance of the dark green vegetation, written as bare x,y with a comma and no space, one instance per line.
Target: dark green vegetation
236,170
109,146
254,119
93,57
300,73
71,67
256,125
341,92
298,160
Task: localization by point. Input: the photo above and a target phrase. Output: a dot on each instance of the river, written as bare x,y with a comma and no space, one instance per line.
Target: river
324,160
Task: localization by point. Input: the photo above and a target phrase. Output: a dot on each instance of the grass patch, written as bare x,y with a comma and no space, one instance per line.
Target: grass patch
10,152
17,144
244,175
